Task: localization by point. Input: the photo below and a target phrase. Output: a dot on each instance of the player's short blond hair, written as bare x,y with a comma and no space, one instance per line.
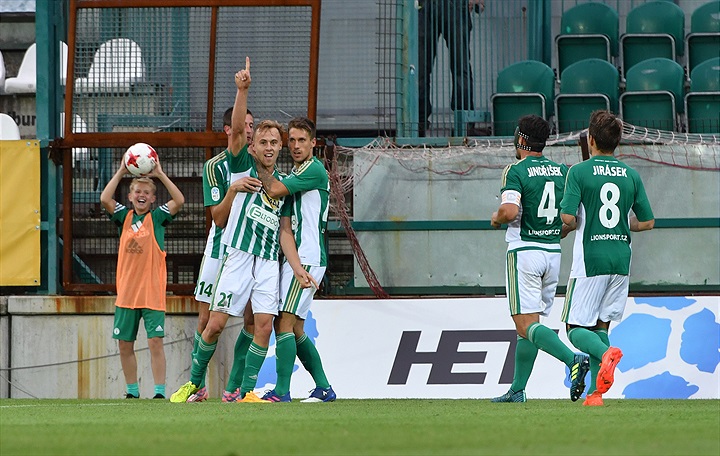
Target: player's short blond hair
268,124
143,180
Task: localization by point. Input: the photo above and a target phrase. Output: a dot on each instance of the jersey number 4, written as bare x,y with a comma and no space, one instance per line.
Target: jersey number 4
547,207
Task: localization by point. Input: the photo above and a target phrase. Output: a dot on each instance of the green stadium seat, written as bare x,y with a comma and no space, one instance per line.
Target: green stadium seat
653,29
653,94
585,86
702,103
526,87
587,30
703,41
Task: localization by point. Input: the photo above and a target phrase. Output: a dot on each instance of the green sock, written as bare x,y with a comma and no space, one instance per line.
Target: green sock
133,388
160,389
285,352
525,354
198,337
548,341
310,358
595,362
587,341
201,360
254,361
238,368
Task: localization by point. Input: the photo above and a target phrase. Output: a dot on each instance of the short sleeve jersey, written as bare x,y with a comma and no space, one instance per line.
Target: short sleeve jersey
216,181
600,192
536,185
160,215
254,222
309,186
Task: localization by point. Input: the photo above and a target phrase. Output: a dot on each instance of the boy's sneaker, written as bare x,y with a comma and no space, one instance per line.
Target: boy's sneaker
131,396
606,375
231,397
578,371
159,396
594,399
199,396
511,396
321,395
185,391
272,396
250,396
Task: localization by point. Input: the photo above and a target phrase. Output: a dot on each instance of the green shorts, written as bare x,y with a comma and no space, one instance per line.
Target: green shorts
127,322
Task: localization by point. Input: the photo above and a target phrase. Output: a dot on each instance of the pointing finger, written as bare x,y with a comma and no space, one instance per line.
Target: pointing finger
247,64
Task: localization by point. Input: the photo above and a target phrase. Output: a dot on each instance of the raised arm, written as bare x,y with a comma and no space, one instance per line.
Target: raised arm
177,198
107,197
237,134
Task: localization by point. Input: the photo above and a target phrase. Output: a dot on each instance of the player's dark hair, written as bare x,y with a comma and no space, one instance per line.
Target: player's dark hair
227,117
535,130
303,123
606,130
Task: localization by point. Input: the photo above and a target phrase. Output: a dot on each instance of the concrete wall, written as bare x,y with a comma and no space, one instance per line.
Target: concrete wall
62,347
396,190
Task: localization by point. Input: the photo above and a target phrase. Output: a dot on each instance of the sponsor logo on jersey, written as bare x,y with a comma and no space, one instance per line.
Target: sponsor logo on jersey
609,237
134,247
159,328
215,194
263,217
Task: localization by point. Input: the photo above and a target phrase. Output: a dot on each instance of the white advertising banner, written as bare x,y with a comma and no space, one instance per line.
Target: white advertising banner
464,348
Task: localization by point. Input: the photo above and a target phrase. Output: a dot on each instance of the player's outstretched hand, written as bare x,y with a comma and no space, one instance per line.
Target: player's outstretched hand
242,77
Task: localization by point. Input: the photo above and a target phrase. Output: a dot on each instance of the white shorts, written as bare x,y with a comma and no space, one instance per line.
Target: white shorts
589,299
293,298
244,276
206,279
531,278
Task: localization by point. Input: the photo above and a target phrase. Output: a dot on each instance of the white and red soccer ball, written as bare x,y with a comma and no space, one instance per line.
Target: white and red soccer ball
140,159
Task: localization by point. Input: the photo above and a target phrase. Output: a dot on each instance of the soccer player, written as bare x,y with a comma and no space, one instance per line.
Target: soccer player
530,198
218,194
600,194
141,271
303,223
249,268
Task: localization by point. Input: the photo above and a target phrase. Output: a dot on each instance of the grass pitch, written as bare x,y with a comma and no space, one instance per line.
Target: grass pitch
359,427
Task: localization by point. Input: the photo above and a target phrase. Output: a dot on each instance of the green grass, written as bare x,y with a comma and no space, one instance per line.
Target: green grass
359,427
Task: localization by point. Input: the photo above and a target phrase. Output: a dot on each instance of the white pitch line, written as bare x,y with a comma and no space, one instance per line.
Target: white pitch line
61,405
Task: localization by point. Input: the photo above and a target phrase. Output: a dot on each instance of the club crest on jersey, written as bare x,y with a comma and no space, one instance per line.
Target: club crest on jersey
272,203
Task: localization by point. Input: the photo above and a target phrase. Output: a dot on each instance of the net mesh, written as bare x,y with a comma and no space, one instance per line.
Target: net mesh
682,150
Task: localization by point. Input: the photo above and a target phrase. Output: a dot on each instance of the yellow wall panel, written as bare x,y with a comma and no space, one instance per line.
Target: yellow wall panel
19,212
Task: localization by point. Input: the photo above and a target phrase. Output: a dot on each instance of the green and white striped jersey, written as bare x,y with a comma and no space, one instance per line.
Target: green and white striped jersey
254,222
216,181
308,206
536,185
600,192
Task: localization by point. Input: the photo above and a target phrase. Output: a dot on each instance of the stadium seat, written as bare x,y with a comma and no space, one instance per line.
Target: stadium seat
116,65
2,74
587,30
653,29
585,86
702,103
26,80
703,41
80,155
525,87
8,128
653,94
